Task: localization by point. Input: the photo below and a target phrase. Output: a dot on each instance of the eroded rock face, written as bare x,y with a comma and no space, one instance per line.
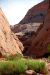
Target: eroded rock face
9,43
39,45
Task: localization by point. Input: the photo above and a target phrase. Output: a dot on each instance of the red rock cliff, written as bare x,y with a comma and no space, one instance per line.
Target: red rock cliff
36,13
40,43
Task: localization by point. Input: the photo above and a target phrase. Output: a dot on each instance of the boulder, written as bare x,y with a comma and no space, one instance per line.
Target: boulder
30,72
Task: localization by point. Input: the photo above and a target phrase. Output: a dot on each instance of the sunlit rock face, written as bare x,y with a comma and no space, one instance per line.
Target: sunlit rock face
9,43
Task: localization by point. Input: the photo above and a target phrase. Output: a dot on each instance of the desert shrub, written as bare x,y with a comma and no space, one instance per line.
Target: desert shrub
36,65
21,66
6,67
17,67
13,67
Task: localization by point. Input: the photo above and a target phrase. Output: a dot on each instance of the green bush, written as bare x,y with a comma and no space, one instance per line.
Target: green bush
36,65
17,67
13,67
21,66
6,67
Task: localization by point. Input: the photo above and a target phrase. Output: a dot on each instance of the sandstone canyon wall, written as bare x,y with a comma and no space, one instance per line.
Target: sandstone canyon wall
39,45
9,43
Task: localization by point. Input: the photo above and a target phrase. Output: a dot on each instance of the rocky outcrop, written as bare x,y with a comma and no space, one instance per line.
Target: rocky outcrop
25,32
39,45
36,14
9,43
25,27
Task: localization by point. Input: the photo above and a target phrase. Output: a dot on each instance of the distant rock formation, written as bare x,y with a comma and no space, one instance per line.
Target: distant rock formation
25,31
9,43
35,14
25,27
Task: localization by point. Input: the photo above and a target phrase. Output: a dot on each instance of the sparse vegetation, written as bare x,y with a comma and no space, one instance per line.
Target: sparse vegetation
20,65
35,65
12,67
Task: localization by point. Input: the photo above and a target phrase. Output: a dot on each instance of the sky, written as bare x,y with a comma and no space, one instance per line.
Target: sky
15,10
